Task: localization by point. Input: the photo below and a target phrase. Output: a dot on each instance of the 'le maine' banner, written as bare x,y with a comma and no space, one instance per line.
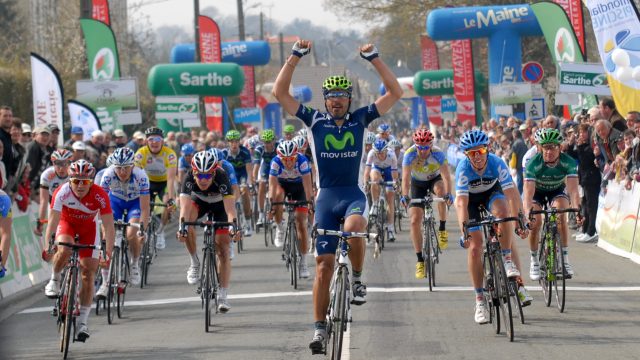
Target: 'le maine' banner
430,62
210,52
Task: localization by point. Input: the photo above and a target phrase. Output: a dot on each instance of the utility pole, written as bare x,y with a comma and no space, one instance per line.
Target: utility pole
86,9
240,20
261,25
281,50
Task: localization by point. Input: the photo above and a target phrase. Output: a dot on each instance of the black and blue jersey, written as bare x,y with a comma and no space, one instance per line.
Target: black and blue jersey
239,160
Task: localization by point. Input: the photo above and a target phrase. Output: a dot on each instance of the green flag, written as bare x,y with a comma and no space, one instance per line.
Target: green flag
102,52
561,40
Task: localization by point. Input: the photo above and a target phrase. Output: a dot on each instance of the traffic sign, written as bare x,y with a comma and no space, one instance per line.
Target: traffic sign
532,72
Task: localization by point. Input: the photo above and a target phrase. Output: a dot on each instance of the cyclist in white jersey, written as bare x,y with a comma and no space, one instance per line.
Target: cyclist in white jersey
382,165
50,180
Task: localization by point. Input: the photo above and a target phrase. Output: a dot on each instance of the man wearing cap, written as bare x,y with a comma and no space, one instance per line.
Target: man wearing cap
137,141
26,137
79,148
120,138
54,130
76,135
95,147
38,155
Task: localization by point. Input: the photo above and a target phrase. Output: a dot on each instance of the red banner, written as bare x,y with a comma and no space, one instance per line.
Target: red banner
210,52
573,8
248,94
463,80
430,62
100,11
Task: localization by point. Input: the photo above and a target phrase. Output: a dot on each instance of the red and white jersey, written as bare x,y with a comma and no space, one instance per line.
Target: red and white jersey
83,210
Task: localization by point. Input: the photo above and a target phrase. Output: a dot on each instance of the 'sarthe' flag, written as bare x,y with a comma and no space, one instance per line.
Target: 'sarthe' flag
430,62
83,116
463,80
48,96
210,52
100,11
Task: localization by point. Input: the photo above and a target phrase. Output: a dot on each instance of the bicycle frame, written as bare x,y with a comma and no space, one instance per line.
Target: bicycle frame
430,247
290,248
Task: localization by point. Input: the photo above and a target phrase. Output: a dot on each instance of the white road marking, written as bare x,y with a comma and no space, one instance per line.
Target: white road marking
369,290
346,343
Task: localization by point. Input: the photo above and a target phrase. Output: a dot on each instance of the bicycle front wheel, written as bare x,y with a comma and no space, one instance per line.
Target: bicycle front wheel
560,281
546,272
123,280
293,254
69,308
515,299
112,295
502,285
426,254
144,263
340,314
491,296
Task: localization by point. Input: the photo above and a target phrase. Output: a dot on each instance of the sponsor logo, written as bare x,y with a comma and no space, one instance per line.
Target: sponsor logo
355,210
564,47
495,17
223,189
339,145
234,50
101,200
446,83
210,79
104,65
323,244
611,13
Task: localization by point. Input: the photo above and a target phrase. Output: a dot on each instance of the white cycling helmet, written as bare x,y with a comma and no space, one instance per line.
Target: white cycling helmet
300,142
204,162
287,148
371,137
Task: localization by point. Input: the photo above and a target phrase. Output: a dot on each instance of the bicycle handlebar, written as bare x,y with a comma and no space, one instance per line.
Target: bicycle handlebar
290,203
489,221
345,234
78,246
120,223
381,182
553,211
427,200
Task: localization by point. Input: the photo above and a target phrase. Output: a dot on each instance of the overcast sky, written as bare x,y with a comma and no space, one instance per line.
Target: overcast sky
180,12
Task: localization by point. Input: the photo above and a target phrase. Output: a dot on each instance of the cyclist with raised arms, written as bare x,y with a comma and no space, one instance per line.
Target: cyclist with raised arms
240,157
128,189
337,142
207,189
550,178
482,178
262,156
74,209
290,177
50,180
160,163
424,171
382,165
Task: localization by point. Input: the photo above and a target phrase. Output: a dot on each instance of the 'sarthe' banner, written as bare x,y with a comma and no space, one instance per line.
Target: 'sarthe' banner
248,95
100,11
83,116
430,62
617,30
210,52
48,96
573,8
463,80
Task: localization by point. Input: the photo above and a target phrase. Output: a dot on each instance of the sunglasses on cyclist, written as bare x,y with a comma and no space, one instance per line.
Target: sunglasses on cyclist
423,147
337,95
154,139
61,163
289,158
472,153
123,167
81,181
550,147
204,176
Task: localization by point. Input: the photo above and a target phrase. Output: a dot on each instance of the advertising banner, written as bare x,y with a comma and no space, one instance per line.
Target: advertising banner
573,9
463,84
515,93
100,10
440,82
83,116
210,53
224,79
118,93
583,78
177,112
247,115
102,52
248,94
430,62
273,117
448,105
245,53
617,30
48,95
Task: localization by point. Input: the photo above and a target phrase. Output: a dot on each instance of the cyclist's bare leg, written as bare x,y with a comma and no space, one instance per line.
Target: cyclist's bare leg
535,227
474,259
135,246
224,261
438,190
324,272
356,223
563,222
278,208
246,201
62,254
390,204
500,209
375,188
301,227
262,192
415,218
88,267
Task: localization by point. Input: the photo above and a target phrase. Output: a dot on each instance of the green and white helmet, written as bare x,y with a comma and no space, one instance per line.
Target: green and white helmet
550,136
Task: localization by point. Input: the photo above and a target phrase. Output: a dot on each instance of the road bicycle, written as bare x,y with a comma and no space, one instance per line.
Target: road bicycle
553,274
430,247
378,217
149,251
290,248
209,277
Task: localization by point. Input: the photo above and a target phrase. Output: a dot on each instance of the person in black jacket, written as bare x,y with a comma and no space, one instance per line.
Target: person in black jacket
590,179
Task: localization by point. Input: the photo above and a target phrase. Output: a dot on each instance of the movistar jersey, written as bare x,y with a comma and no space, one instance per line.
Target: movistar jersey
549,178
301,167
260,154
337,150
239,160
469,181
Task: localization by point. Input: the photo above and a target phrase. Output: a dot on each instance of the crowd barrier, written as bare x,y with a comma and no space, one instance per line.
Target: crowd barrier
25,267
617,220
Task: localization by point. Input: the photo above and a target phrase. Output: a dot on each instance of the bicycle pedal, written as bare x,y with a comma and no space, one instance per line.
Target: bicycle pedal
54,312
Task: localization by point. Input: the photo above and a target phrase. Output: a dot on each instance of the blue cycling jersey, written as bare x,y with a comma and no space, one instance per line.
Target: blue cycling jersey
337,150
228,168
239,160
136,185
301,167
468,181
183,164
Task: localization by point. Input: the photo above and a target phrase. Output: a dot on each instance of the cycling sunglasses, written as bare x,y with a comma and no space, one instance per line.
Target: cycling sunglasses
472,153
423,147
154,139
204,176
75,181
337,95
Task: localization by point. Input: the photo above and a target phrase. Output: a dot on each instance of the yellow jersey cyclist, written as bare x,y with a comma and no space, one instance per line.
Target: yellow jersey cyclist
337,141
550,178
160,163
482,178
425,170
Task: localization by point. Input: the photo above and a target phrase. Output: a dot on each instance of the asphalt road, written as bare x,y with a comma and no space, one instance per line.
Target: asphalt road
401,320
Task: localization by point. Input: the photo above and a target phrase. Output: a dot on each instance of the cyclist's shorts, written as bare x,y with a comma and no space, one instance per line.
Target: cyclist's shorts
294,191
263,174
89,233
217,208
420,189
386,175
241,176
333,204
157,187
485,198
5,206
543,198
119,206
